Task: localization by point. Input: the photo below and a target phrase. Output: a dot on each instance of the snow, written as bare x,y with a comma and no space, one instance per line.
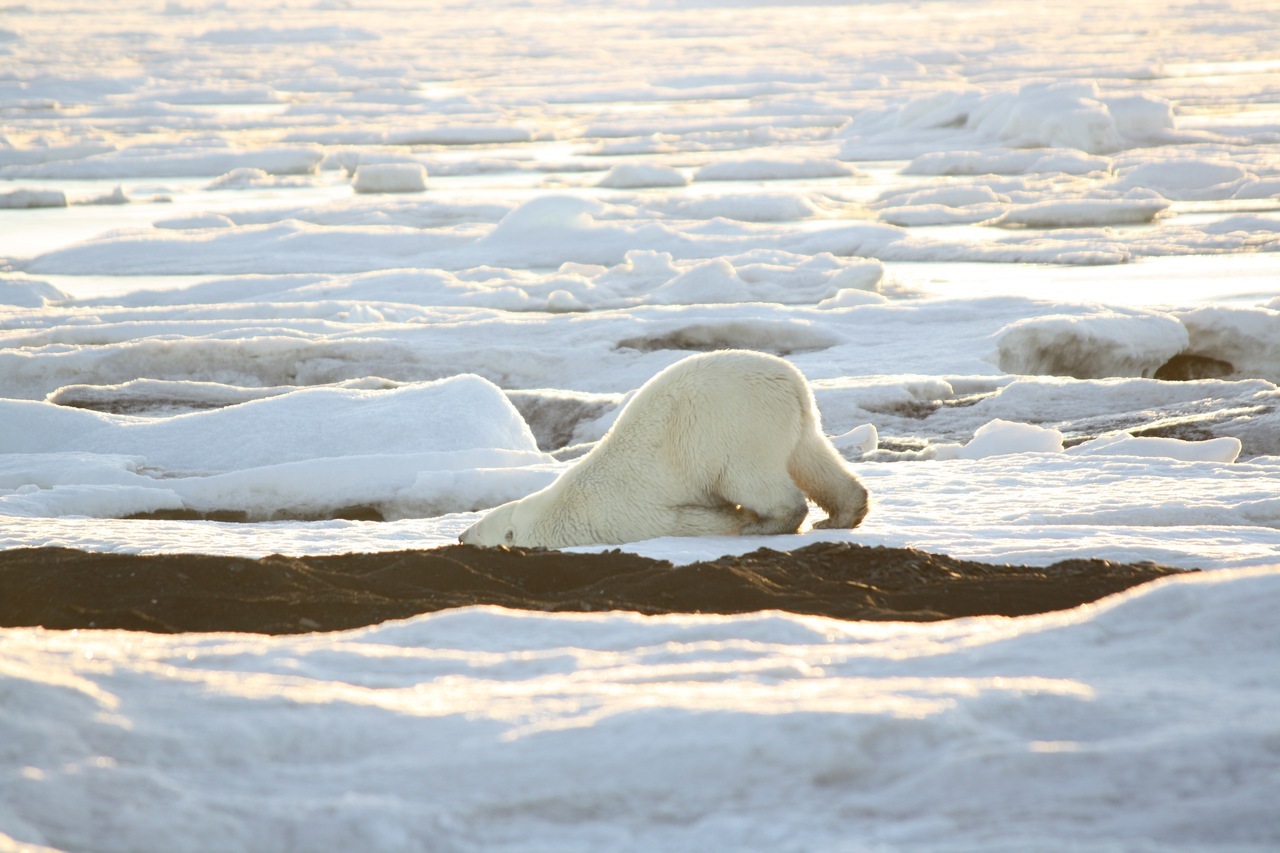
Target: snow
495,730
1026,255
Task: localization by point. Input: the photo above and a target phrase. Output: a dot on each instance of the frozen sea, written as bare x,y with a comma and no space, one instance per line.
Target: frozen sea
349,272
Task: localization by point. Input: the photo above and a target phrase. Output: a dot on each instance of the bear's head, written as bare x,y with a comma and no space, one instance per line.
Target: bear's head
496,528
511,524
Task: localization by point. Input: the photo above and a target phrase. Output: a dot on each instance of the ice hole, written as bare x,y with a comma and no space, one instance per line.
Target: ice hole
1188,366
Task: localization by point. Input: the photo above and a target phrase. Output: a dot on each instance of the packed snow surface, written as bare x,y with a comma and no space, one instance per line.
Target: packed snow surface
1027,255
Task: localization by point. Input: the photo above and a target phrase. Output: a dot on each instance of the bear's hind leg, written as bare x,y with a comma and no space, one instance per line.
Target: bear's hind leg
704,520
768,505
820,471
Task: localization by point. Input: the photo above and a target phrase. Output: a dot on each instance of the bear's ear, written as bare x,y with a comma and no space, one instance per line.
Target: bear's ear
509,536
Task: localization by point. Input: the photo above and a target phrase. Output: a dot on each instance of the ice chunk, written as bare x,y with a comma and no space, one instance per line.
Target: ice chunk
935,214
545,216
395,486
115,197
150,395
1065,160
849,297
1058,114
113,501
635,175
1083,212
713,281
33,198
195,222
1141,116
1091,346
460,413
29,294
241,179
1187,179
858,441
1226,449
1045,116
1248,339
390,178
1000,438
946,195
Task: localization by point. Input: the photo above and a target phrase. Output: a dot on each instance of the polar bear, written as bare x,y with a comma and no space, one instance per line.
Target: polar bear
721,443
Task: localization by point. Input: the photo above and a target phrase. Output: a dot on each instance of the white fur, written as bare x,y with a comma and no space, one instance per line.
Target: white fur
717,444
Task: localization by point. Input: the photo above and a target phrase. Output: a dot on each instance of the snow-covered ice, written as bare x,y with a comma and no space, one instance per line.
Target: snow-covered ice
1100,728
1027,255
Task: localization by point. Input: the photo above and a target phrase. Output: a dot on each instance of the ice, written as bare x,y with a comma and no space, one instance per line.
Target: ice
1213,450
1246,339
551,230
1066,115
28,293
766,170
244,178
33,198
1188,179
859,441
998,438
390,178
633,175
287,35
414,450
172,162
459,135
1091,346
1004,162
459,413
1071,114
1083,212
1026,255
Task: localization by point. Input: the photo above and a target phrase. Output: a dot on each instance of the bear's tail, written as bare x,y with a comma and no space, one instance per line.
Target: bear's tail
821,473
